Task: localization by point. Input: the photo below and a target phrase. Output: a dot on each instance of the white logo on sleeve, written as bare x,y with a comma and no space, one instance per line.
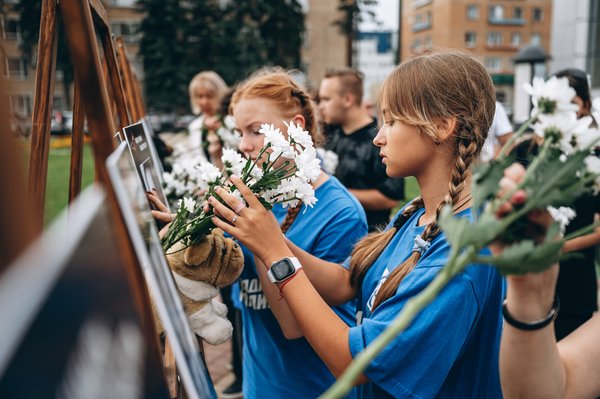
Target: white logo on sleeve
384,276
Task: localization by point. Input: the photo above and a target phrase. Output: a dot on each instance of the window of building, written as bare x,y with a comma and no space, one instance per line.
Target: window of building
537,15
493,64
11,29
494,38
122,3
497,12
516,39
473,12
15,68
536,39
518,13
427,42
470,39
420,3
128,30
20,104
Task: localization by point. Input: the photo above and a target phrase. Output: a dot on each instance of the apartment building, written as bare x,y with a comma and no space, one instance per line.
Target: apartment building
493,30
20,75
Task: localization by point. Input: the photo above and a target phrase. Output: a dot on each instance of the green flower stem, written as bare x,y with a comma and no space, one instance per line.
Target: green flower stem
581,231
412,308
517,135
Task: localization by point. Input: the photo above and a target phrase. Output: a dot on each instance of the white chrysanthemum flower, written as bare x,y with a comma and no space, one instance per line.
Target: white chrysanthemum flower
586,138
229,122
233,162
309,166
279,145
298,135
562,215
596,109
229,137
256,172
306,194
329,160
207,174
189,204
551,96
563,129
239,197
592,164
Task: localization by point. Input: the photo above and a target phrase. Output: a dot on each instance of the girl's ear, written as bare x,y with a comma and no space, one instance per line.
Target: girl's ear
445,128
298,119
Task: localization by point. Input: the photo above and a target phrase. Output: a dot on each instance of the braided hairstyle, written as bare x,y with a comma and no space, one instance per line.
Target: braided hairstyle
422,90
280,88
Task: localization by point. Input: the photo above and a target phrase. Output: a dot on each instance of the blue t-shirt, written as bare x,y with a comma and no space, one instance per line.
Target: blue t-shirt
451,348
273,366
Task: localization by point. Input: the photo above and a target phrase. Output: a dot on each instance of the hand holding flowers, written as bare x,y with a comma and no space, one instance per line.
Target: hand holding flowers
281,173
510,207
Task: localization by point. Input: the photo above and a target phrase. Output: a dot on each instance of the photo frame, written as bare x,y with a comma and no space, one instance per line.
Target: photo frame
146,242
76,331
141,149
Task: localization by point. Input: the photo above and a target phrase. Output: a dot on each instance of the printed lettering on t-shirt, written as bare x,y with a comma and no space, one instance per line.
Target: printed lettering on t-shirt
384,276
251,294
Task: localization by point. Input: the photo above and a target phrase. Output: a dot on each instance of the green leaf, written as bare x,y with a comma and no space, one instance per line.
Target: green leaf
461,232
527,256
486,178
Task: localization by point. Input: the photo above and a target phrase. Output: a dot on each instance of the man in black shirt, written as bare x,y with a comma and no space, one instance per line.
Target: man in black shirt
350,133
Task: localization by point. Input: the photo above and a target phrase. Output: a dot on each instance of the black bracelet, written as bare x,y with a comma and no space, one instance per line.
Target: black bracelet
533,325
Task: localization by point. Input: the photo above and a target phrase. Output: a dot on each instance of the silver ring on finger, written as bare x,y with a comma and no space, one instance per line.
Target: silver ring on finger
234,219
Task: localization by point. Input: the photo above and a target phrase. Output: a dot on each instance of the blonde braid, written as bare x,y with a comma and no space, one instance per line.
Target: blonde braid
367,250
466,153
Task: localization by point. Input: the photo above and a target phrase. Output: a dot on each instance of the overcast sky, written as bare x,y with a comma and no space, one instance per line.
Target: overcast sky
387,13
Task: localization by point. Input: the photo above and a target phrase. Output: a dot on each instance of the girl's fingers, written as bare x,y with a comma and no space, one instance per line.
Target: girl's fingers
247,194
158,203
226,227
162,216
222,210
515,172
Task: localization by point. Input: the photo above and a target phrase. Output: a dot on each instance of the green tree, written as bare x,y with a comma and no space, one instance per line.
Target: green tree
233,39
163,46
353,12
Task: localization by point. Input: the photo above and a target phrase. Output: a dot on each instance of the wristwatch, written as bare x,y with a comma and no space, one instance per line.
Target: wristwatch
283,269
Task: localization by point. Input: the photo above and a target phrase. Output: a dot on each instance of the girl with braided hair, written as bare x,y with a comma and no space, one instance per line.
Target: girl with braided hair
328,231
436,110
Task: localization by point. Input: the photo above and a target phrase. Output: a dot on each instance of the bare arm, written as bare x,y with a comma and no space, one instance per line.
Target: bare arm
278,305
331,280
532,364
583,242
373,199
258,230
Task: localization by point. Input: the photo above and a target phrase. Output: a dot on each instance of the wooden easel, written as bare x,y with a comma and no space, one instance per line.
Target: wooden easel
135,102
131,85
80,18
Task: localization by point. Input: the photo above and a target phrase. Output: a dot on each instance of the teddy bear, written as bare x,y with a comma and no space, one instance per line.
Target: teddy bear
199,270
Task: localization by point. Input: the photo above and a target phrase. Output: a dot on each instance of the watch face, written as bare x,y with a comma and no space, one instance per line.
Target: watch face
282,269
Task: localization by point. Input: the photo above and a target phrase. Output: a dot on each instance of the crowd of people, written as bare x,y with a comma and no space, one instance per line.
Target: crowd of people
319,285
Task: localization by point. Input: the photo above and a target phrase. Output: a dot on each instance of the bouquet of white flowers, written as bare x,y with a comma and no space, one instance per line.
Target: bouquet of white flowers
290,164
564,168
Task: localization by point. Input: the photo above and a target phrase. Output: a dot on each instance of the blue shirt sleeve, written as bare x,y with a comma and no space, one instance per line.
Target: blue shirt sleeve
417,362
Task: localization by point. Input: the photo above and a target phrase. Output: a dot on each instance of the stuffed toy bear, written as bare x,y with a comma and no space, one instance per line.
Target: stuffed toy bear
199,270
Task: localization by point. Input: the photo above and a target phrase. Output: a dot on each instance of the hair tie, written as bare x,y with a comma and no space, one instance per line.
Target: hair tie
420,245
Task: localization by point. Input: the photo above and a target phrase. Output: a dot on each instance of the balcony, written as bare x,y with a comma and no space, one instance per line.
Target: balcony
421,26
506,21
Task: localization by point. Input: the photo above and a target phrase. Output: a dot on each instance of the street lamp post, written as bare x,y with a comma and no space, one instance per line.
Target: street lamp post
530,62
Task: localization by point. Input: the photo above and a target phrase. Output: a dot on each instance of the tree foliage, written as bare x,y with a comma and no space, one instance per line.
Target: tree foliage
181,38
352,13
